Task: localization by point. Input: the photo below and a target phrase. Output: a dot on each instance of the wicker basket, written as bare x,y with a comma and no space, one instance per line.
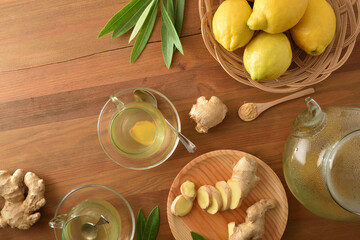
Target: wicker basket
305,70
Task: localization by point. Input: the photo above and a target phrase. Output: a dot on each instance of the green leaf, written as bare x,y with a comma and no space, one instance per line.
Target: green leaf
196,236
152,225
144,33
170,28
122,16
167,45
129,23
179,15
141,21
140,224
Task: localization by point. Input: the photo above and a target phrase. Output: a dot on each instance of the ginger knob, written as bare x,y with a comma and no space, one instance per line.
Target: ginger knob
207,113
18,211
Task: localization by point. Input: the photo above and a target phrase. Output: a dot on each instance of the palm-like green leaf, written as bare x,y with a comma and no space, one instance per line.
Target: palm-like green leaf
130,22
167,46
170,28
122,16
141,21
144,33
152,225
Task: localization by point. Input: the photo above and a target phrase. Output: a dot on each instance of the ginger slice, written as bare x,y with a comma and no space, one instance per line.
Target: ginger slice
181,206
242,181
225,192
204,197
188,190
231,226
216,201
254,225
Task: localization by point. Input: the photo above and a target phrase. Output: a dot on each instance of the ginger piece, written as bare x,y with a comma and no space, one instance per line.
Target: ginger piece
18,211
207,113
204,197
254,226
216,201
188,190
181,206
225,192
242,181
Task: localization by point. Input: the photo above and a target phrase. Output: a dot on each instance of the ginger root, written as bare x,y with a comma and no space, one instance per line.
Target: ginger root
207,113
216,201
254,226
242,181
18,211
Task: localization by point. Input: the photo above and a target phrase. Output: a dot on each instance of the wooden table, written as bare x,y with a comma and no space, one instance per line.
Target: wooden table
55,76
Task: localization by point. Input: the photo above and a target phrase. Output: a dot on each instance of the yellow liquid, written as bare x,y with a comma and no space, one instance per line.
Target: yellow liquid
72,229
138,130
89,211
344,177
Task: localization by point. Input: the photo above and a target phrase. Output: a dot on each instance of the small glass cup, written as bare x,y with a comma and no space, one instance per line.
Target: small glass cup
85,205
133,133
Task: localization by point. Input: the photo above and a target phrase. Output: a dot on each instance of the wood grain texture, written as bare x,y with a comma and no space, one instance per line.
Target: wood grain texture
51,95
215,166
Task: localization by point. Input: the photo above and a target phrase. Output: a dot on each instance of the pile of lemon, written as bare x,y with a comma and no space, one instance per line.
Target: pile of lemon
268,55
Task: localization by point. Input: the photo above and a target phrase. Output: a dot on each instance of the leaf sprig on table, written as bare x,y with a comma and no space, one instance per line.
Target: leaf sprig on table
141,16
196,236
147,229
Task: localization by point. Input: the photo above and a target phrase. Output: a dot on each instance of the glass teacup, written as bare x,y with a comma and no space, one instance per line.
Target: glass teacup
133,132
84,206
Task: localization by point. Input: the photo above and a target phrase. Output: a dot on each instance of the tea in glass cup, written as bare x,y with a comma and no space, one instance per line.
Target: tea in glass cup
93,212
134,133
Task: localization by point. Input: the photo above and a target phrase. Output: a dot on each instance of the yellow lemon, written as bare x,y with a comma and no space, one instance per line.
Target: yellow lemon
267,56
316,29
276,16
229,24
143,132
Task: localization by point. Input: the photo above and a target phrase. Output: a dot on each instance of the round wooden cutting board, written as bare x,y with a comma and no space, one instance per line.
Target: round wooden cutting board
215,166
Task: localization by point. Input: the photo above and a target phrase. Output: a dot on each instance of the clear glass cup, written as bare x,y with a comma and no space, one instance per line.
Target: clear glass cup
133,133
85,205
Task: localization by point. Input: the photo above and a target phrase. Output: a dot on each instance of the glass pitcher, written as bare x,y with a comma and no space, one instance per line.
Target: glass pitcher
322,161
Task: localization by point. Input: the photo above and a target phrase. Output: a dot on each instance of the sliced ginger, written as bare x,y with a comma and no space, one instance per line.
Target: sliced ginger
225,192
242,181
225,195
216,201
188,190
254,226
181,206
204,197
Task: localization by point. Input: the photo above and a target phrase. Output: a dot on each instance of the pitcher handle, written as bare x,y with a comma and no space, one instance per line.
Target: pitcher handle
58,221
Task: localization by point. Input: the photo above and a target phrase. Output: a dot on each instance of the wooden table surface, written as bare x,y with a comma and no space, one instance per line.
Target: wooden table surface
55,76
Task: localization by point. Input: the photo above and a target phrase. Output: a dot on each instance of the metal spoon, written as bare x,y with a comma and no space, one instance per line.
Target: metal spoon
250,111
148,97
89,230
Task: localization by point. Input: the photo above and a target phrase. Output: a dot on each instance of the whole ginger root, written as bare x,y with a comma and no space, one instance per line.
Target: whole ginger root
18,211
207,113
254,226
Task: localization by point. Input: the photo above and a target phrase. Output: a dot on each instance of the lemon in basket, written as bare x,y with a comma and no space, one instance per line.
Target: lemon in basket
267,56
316,28
276,16
229,24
